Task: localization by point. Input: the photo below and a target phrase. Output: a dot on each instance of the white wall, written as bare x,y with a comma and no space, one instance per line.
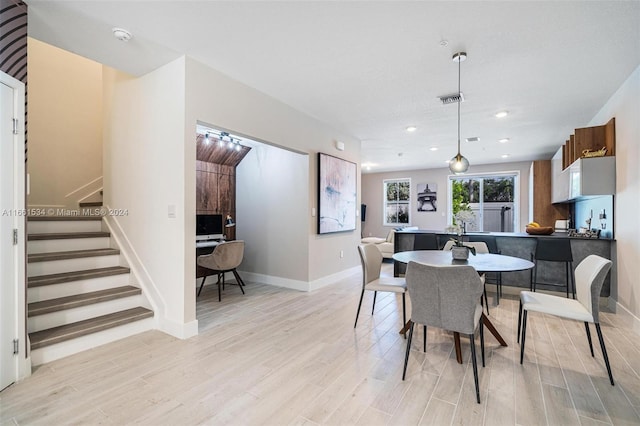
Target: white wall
272,193
372,195
624,105
65,125
144,173
223,103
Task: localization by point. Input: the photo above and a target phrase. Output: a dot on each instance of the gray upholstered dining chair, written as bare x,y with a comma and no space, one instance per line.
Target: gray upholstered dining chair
371,259
589,277
481,247
225,257
446,297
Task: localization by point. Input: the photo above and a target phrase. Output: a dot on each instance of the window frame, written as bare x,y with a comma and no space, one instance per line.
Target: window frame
385,203
481,176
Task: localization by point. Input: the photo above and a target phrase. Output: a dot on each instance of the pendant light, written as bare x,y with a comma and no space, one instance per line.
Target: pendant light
459,164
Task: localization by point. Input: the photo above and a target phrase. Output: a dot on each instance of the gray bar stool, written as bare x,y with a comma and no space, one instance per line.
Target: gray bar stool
554,250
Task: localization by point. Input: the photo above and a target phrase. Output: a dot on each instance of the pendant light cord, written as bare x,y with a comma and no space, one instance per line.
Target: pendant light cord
459,95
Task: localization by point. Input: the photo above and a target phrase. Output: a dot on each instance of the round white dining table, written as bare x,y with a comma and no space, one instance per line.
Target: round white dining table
481,262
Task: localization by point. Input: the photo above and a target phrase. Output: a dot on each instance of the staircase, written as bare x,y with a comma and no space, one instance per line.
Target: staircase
79,294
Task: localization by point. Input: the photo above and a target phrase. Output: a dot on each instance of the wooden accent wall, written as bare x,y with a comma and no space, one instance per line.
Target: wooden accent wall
591,138
216,179
216,191
544,212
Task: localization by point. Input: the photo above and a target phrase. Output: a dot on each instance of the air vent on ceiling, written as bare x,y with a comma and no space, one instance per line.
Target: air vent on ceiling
451,99
473,139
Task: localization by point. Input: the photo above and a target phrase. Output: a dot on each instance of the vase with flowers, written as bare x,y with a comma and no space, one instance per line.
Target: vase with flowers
459,250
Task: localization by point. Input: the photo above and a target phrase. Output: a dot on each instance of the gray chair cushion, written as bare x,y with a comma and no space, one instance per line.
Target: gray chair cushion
446,297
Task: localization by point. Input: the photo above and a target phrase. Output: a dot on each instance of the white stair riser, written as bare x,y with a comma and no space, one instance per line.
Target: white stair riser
49,226
70,265
69,244
67,316
54,291
73,346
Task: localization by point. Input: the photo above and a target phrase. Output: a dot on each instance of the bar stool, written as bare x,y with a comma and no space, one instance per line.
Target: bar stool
554,250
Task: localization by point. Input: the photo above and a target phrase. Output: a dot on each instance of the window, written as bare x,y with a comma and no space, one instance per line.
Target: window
397,195
496,210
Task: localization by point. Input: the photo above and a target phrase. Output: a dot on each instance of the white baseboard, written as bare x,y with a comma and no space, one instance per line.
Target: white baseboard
181,331
275,281
633,320
333,278
297,284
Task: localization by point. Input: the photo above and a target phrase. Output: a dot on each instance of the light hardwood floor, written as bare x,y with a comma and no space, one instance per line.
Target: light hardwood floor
282,357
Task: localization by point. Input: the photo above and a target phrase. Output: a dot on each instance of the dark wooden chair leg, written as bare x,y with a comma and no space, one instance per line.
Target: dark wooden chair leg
482,342
202,285
219,293
604,353
359,305
524,335
425,338
404,311
238,279
406,356
474,362
586,327
375,293
519,321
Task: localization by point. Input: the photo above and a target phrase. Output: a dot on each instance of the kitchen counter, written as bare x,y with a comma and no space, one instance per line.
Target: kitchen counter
520,245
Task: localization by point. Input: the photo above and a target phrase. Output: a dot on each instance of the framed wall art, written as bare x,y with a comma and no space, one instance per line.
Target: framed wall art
427,197
337,194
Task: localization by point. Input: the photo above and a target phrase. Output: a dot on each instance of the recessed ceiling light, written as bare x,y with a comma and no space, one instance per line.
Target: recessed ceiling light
503,140
505,155
502,114
433,148
121,34
412,129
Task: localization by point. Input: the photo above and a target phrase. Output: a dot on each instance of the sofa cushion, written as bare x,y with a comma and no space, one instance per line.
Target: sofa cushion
372,240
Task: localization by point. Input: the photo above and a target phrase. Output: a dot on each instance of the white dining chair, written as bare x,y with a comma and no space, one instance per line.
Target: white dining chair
589,277
371,259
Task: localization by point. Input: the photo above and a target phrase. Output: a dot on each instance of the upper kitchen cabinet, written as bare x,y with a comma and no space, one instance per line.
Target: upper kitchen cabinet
585,166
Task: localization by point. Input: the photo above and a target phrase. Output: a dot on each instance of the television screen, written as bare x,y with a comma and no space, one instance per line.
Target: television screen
208,224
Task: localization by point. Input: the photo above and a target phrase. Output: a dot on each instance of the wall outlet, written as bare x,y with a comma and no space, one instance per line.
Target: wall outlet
341,254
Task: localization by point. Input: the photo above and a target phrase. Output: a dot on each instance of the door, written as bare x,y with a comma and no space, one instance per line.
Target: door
12,221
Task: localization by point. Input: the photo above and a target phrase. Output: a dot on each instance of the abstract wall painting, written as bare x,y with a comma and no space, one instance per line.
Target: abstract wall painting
337,194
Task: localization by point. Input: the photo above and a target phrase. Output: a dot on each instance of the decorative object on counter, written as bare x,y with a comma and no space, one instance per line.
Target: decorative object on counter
603,219
459,164
228,223
539,230
587,153
584,233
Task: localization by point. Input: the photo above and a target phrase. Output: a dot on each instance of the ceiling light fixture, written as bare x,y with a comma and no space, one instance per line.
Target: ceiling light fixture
505,155
459,164
503,140
412,129
502,114
433,148
206,139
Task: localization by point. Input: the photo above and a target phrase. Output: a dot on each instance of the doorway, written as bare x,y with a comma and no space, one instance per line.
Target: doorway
12,230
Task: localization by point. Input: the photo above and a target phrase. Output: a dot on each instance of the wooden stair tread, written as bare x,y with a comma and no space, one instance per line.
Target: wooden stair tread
42,280
61,218
74,254
82,328
91,204
77,300
66,235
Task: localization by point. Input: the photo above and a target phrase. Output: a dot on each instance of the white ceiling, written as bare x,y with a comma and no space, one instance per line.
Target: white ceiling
370,69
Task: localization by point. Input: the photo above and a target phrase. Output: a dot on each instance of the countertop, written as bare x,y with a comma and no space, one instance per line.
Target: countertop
508,234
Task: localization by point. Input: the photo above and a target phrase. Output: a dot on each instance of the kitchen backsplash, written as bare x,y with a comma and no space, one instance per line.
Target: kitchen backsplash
595,207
